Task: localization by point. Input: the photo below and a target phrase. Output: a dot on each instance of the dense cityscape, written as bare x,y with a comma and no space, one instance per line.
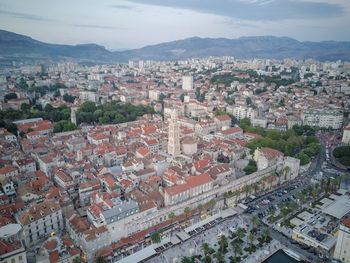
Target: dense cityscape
175,131
201,160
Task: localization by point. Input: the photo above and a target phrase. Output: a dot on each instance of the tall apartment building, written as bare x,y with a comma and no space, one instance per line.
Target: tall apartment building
40,220
346,135
342,251
241,112
187,82
323,118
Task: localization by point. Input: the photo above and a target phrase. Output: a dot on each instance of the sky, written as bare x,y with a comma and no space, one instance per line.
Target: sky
127,24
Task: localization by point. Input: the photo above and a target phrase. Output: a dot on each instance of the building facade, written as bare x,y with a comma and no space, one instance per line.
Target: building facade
323,118
174,136
342,251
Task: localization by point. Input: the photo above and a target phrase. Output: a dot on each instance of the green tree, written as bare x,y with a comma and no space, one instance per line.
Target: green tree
155,237
240,233
251,167
219,257
223,244
171,216
266,234
88,106
205,248
64,126
237,248
100,259
212,203
68,98
186,260
250,239
77,260
255,221
182,97
25,107
56,93
304,158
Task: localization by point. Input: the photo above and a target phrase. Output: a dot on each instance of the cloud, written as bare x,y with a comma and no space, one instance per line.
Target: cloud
259,10
24,16
97,26
121,6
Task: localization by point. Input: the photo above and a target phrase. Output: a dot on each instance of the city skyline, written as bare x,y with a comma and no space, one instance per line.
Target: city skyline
133,23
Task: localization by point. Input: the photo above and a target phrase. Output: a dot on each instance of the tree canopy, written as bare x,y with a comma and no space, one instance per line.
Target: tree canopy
110,113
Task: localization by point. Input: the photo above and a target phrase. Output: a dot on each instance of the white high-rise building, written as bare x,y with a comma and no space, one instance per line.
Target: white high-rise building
187,82
346,135
342,248
323,118
174,135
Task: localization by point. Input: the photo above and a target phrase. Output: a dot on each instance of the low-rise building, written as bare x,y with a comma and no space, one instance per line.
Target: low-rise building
342,251
11,248
40,220
191,186
266,157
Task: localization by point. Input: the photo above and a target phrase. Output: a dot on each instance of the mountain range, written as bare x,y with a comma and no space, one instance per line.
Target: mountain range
19,47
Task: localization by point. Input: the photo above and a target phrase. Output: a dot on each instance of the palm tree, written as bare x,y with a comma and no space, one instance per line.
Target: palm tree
240,233
225,196
255,187
155,237
187,211
236,193
100,259
212,203
77,260
207,259
237,248
223,244
255,221
247,189
200,209
266,234
220,257
186,260
171,216
301,196
205,248
250,239
278,175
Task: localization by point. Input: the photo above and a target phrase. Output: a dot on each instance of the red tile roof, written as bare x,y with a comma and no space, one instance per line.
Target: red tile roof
143,151
270,153
51,244
6,247
346,222
190,182
223,117
7,169
232,130
54,257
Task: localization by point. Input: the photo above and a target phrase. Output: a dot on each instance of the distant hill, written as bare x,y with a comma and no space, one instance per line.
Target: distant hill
18,47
